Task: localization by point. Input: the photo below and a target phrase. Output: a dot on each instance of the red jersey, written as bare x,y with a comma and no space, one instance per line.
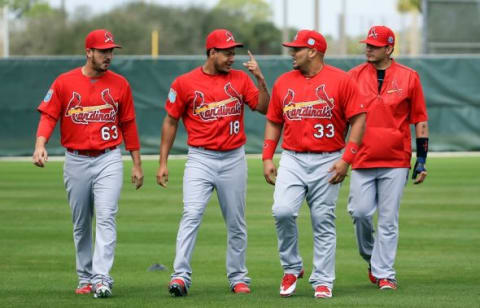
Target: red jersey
314,111
387,141
212,107
91,110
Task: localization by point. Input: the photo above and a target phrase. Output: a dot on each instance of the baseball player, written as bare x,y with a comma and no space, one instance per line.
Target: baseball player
210,100
394,99
312,104
96,112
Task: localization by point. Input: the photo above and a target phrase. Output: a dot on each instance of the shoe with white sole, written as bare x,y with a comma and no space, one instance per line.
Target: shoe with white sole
289,284
387,284
323,292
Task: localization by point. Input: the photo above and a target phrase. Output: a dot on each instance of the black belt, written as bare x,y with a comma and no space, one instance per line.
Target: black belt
91,153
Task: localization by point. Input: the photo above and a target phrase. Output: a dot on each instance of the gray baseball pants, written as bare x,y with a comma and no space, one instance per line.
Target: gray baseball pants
226,172
305,176
93,185
377,189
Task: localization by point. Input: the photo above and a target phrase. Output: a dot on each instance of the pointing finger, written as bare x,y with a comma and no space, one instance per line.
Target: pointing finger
251,55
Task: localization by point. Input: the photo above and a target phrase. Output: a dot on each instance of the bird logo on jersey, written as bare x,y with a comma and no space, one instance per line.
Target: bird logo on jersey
224,108
395,88
85,114
320,108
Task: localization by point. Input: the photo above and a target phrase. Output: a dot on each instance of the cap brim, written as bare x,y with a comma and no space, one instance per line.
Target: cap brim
293,44
373,43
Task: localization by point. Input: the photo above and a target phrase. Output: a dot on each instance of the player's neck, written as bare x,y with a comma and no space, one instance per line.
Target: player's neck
383,64
313,69
90,72
209,68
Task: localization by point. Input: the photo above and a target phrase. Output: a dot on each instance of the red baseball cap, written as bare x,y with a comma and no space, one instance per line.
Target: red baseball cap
380,36
221,39
310,39
100,39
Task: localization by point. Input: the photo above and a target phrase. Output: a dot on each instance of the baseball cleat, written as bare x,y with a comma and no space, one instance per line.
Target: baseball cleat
84,288
323,292
387,284
176,287
102,290
241,288
289,284
372,278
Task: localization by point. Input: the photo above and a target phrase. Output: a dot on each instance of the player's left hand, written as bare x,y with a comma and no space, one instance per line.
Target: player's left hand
339,169
420,171
137,176
253,67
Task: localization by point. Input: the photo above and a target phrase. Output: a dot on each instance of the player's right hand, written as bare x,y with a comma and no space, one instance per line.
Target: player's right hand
162,176
40,156
269,171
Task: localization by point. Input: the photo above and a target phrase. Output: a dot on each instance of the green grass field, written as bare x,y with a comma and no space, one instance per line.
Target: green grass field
437,261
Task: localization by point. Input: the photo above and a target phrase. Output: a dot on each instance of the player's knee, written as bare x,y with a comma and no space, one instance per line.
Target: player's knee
359,213
283,213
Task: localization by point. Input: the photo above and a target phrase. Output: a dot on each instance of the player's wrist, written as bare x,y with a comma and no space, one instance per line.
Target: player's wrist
351,150
269,147
422,149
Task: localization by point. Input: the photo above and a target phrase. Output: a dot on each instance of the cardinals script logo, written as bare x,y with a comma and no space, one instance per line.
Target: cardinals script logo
320,108
85,114
224,108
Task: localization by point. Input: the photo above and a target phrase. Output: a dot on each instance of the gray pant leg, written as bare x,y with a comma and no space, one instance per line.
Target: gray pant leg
107,186
77,182
391,184
231,191
322,198
287,199
362,203
197,189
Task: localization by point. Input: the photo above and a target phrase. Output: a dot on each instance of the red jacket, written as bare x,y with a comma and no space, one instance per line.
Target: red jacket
387,140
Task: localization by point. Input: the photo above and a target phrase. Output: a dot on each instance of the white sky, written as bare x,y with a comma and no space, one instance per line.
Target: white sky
360,14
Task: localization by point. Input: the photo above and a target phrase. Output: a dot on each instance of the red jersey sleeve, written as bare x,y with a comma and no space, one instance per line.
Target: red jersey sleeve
52,103
127,109
250,93
353,101
130,135
175,104
418,110
275,110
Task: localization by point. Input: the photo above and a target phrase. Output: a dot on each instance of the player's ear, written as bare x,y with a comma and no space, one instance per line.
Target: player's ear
389,50
89,52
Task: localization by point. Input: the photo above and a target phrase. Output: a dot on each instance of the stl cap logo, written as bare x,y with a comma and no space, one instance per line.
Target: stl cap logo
295,37
108,37
373,33
229,36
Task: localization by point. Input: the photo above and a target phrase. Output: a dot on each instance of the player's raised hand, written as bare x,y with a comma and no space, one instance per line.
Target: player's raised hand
339,169
137,176
162,176
252,66
269,171
40,156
